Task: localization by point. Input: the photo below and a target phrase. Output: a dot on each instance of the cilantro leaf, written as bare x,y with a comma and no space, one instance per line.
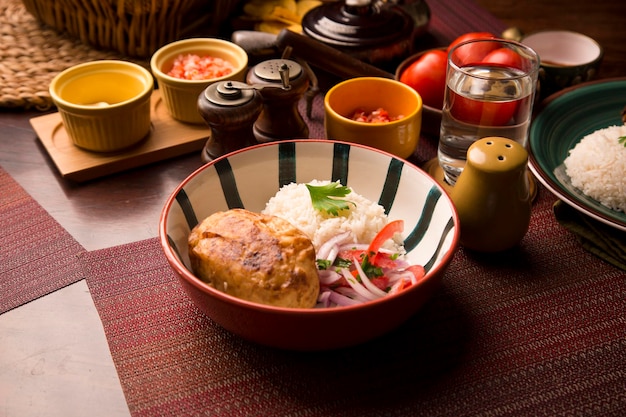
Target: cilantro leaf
329,197
370,270
622,140
342,263
323,264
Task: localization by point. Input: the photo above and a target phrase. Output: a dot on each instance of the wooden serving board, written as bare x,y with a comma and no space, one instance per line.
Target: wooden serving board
168,138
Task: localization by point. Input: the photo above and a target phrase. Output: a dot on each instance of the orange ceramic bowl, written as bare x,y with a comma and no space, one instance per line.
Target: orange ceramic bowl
399,137
431,116
250,177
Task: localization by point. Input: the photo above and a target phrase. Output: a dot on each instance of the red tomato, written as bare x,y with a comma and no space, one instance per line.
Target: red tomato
504,57
427,76
482,112
469,36
474,53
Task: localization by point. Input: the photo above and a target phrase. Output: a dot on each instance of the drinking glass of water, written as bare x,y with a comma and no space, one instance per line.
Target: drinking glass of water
490,89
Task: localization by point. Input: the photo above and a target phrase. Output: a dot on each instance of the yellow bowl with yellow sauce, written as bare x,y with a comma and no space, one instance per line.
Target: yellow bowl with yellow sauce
104,105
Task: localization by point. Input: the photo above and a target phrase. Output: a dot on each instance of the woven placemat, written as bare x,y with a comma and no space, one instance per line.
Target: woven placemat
37,255
32,54
520,334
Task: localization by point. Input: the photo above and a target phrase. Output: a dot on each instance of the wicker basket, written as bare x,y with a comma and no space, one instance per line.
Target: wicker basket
135,28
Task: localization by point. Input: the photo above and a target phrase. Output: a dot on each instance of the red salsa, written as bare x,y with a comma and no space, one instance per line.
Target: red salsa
379,115
195,67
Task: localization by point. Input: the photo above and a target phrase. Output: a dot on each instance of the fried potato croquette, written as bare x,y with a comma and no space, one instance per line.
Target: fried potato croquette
255,257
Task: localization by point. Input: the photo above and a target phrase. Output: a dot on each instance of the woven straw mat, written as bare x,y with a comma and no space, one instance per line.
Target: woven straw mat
33,54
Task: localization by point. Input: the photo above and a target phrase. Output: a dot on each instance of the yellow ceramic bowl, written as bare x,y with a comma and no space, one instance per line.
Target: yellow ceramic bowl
180,95
104,105
399,137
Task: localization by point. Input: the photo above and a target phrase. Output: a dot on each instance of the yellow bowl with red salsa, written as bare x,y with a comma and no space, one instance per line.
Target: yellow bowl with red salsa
185,68
378,112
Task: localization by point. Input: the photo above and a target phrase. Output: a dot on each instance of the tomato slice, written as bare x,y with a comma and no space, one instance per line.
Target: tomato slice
386,233
381,282
351,253
417,270
383,260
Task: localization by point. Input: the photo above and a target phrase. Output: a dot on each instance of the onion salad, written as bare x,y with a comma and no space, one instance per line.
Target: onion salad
352,273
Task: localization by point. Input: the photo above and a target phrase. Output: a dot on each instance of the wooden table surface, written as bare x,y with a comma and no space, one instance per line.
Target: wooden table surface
54,359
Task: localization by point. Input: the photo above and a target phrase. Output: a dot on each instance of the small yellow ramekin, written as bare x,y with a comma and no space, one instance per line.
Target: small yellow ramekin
181,96
104,105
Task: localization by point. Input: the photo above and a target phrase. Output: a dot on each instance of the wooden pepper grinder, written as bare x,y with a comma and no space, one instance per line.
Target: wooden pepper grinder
230,108
280,118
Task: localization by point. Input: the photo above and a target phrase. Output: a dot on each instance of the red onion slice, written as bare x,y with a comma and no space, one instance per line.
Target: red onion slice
366,281
326,248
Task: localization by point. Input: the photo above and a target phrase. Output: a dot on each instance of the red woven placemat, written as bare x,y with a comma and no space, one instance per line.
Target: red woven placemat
523,333
37,256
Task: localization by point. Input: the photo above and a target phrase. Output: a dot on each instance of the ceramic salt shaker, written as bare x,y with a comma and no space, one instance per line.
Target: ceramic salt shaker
230,108
492,196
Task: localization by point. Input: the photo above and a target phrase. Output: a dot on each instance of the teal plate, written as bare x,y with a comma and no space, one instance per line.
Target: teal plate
564,120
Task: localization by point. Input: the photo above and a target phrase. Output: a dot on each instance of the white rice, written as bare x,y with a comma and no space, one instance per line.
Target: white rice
597,167
364,220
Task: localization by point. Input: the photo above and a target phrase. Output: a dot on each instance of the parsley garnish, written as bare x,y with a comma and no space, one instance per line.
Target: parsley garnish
622,140
370,270
323,264
329,197
342,263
